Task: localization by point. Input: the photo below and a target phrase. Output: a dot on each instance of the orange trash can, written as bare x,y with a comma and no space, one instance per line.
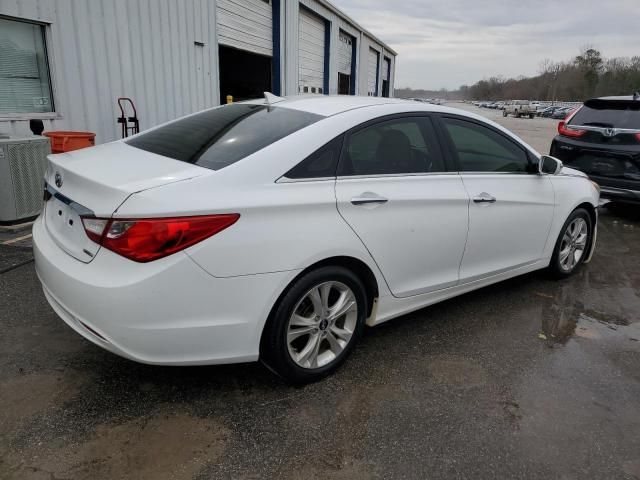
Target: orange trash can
67,141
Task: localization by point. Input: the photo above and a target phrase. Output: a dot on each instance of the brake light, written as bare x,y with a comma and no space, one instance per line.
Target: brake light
567,132
638,136
147,239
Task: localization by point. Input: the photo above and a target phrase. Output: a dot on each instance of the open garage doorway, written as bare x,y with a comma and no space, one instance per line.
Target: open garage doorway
243,74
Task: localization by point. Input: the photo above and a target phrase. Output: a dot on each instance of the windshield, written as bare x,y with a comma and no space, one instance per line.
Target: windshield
610,114
221,136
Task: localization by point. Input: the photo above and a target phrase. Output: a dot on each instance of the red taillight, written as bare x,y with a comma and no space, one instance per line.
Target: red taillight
638,136
567,132
147,239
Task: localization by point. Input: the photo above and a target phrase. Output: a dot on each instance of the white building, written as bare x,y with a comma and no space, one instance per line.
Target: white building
67,61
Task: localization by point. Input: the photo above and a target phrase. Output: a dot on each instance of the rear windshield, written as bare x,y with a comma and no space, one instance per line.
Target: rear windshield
221,136
609,114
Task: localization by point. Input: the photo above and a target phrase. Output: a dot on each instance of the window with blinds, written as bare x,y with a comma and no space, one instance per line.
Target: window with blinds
25,85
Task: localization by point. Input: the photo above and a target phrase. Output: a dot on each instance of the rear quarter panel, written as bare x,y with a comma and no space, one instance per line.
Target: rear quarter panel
282,226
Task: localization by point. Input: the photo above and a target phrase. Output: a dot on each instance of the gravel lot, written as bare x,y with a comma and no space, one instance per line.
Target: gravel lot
529,378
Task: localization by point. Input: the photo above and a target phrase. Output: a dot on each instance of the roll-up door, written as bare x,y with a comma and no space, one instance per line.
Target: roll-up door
372,77
246,25
345,63
311,45
386,70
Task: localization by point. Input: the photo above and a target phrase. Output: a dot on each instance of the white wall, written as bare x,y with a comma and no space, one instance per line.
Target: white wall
103,49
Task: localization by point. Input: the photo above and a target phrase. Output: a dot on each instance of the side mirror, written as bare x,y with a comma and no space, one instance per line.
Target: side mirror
549,165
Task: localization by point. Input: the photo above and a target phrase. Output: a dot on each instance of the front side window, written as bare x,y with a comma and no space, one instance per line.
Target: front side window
400,146
25,85
480,149
221,136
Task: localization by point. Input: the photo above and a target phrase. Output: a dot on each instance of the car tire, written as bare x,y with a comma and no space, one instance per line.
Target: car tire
517,114
284,349
531,115
504,113
572,248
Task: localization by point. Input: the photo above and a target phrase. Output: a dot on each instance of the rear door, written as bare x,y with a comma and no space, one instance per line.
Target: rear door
511,207
411,213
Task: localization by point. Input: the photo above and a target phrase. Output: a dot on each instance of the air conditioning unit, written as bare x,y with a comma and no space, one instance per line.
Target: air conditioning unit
23,162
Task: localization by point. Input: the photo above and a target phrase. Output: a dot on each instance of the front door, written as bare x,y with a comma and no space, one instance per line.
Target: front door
396,194
511,207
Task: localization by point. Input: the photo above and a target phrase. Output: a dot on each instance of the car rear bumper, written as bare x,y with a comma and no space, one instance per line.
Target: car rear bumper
612,167
168,312
620,194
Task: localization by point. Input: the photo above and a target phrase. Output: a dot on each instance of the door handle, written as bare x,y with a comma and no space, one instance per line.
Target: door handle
484,197
367,198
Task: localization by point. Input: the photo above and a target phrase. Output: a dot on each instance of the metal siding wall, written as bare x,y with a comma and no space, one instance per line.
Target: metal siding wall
101,49
291,60
104,49
246,24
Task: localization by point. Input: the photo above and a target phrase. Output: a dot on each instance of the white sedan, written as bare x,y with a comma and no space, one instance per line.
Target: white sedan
277,229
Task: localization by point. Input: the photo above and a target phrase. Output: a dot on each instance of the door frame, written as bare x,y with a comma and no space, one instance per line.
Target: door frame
450,167
450,149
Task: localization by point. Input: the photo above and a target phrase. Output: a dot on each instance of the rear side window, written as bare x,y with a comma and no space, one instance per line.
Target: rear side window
609,114
221,136
399,146
480,149
320,164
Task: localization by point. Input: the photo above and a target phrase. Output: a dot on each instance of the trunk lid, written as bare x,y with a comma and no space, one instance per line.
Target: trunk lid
96,181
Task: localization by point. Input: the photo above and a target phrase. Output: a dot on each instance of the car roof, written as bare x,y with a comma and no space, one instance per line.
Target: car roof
618,97
328,105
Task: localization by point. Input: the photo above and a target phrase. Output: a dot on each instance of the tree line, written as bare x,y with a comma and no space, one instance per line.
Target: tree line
585,76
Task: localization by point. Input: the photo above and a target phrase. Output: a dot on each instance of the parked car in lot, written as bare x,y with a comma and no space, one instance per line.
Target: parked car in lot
547,111
277,230
561,112
602,139
518,108
540,109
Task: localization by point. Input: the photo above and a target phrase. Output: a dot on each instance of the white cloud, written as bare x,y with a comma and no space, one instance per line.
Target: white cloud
449,43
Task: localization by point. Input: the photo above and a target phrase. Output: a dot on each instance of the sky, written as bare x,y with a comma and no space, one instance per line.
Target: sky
448,43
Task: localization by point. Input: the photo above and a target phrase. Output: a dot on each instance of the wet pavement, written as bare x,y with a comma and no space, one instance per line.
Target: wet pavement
529,378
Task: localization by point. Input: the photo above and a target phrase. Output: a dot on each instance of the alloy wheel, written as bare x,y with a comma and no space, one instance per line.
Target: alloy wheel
322,324
573,244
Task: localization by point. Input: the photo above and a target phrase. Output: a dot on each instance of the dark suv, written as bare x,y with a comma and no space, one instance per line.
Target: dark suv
602,139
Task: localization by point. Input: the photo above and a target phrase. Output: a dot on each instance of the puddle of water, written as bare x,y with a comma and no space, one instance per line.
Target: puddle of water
560,329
